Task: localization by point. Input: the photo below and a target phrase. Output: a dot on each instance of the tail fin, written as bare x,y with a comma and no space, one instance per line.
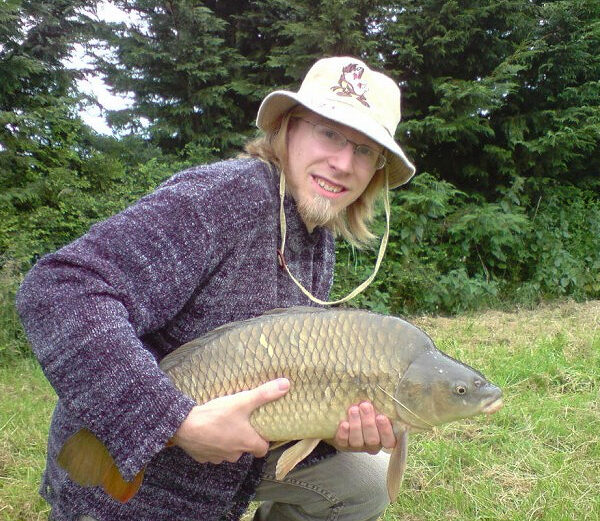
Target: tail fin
89,464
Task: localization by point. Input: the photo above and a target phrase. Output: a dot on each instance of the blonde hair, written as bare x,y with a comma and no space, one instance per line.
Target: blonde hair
352,223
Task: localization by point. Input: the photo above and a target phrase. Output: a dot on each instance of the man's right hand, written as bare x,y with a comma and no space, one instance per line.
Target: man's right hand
220,429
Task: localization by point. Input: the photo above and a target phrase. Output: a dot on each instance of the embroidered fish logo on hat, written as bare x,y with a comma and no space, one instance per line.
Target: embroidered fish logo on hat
351,84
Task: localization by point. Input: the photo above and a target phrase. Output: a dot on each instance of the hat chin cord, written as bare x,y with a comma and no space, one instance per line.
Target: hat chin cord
382,246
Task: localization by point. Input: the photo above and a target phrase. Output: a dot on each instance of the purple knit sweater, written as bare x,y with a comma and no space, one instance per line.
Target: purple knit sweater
198,252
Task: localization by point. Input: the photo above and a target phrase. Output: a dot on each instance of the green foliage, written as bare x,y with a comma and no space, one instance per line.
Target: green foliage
36,100
498,90
454,60
501,114
450,252
186,76
306,30
198,70
564,253
42,140
486,236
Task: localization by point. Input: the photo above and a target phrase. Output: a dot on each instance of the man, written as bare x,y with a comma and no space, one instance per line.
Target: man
206,248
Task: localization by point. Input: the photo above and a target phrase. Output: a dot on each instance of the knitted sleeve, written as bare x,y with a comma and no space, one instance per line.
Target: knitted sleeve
85,307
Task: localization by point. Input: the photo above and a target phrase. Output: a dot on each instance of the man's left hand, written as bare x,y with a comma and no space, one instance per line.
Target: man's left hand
364,431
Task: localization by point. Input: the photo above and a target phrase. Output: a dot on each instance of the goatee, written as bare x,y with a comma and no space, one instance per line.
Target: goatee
317,212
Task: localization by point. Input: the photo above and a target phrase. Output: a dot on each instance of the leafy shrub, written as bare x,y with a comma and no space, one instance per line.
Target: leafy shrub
450,252
60,205
564,249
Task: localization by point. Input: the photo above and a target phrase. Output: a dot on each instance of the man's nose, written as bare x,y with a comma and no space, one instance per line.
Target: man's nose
343,159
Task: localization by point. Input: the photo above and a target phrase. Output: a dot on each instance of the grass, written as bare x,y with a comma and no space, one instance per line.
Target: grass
536,459
26,404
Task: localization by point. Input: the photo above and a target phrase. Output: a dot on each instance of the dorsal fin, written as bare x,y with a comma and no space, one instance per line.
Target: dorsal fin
182,352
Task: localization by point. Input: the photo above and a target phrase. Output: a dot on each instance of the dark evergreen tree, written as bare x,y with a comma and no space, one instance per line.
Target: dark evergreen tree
35,87
37,110
497,90
174,58
453,61
303,31
550,124
198,70
53,174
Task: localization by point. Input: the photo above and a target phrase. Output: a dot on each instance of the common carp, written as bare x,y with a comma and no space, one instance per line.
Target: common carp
333,358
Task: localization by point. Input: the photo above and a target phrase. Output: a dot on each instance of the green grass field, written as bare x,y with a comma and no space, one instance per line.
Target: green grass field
536,459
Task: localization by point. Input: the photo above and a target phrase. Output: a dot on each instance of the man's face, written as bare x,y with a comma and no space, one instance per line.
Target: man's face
324,179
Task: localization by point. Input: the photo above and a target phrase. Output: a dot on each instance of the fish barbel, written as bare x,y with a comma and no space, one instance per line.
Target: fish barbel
333,358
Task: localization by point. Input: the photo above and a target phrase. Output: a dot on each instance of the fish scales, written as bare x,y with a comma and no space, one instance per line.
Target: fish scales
332,358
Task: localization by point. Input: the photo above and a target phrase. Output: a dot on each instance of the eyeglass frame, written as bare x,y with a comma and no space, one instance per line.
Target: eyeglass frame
379,159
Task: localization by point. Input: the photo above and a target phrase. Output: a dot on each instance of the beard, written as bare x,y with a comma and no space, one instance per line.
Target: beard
317,212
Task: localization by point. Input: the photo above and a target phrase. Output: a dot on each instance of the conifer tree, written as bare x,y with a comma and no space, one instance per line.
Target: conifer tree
198,70
453,60
304,31
49,164
174,58
497,90
35,86
551,122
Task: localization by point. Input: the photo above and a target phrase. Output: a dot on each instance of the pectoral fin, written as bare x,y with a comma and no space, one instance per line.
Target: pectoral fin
276,444
294,455
89,464
397,464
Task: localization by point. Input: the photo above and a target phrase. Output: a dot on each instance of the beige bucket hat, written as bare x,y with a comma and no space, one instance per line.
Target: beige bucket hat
346,90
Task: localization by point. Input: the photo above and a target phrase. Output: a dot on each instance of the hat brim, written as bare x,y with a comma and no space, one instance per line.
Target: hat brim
277,103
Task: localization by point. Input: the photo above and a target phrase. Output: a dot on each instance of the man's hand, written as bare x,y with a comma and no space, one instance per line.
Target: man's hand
364,431
220,430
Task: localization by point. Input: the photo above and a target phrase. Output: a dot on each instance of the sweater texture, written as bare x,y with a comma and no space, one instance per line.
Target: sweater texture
101,312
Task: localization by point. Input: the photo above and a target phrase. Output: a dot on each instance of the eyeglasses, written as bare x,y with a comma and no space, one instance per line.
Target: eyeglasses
365,156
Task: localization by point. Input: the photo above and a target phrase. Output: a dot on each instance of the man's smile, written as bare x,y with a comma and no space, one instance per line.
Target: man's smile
327,186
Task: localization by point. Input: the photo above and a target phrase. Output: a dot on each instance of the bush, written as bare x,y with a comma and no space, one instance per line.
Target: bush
564,250
60,206
450,252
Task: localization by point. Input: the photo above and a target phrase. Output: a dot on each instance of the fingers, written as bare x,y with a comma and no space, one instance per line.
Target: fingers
220,429
355,437
365,430
340,440
265,393
386,432
258,396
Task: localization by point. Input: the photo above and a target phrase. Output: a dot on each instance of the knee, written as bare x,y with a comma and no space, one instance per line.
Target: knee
370,496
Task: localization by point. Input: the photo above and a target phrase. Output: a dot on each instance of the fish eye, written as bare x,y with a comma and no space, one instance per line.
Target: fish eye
460,389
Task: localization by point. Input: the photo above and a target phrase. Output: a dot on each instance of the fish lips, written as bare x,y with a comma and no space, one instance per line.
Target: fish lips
493,406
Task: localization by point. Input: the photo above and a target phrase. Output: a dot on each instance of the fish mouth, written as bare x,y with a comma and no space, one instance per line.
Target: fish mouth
493,406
